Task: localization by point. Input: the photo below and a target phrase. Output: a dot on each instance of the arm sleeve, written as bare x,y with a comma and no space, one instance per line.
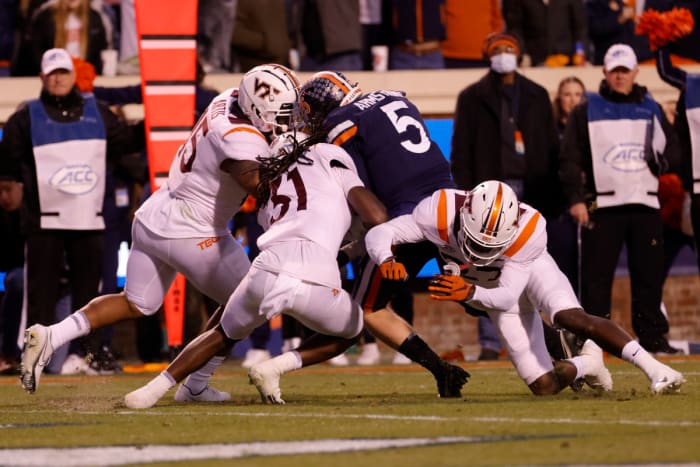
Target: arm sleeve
379,239
122,138
121,95
672,75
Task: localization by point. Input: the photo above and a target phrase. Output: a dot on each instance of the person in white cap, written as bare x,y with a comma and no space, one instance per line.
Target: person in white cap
620,141
59,147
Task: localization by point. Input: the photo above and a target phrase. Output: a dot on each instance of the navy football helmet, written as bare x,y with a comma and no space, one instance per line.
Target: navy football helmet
325,91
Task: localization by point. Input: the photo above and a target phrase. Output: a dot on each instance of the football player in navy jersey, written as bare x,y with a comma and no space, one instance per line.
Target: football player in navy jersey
387,138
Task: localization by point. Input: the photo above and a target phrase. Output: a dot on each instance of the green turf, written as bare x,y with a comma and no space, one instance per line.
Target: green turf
628,425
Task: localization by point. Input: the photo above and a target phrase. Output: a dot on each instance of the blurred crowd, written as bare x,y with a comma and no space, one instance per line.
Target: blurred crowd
236,35
307,35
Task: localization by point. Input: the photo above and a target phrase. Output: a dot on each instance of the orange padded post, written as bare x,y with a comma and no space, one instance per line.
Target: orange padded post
167,55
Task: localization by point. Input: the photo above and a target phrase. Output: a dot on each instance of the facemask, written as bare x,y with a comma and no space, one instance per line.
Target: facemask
504,63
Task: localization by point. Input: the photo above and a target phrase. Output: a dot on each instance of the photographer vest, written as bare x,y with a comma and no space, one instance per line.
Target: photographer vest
70,162
623,138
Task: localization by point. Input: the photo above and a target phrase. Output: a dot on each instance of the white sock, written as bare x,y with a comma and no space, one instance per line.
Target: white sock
161,383
75,325
288,361
636,355
199,380
580,364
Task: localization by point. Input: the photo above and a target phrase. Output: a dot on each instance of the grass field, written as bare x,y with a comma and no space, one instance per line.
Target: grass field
382,416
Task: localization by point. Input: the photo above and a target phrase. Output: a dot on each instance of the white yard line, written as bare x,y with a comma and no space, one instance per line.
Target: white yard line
422,418
120,455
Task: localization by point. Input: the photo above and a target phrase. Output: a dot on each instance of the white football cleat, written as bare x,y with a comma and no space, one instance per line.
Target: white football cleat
597,375
369,354
142,398
36,355
208,394
266,378
339,360
667,381
76,365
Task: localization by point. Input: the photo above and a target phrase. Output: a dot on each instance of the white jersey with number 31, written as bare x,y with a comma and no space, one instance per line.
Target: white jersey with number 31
303,198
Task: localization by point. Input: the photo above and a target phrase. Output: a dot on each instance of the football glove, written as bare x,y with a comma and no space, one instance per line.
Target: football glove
452,288
393,270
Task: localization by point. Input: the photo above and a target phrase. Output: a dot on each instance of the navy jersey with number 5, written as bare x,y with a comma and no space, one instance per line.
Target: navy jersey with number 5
395,157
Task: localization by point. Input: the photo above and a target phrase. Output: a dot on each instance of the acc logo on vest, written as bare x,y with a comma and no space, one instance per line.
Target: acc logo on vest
626,157
74,179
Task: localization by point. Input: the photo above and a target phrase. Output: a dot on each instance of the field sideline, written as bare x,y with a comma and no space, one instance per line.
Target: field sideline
355,416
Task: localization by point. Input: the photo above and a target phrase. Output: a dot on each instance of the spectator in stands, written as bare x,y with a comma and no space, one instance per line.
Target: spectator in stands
686,124
215,26
612,22
466,25
562,230
331,35
128,39
372,31
570,92
22,57
416,30
552,33
72,25
621,141
261,34
58,146
509,115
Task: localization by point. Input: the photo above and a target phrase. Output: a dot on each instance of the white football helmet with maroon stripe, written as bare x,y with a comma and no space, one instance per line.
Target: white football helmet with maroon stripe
488,222
269,96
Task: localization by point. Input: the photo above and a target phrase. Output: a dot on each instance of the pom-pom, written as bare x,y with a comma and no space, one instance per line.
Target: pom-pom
664,27
84,74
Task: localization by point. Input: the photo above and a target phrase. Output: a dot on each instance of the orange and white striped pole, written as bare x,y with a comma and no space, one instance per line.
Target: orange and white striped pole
167,32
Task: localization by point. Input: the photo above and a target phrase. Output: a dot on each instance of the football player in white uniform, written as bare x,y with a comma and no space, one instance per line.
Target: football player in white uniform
498,262
183,226
374,130
307,192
